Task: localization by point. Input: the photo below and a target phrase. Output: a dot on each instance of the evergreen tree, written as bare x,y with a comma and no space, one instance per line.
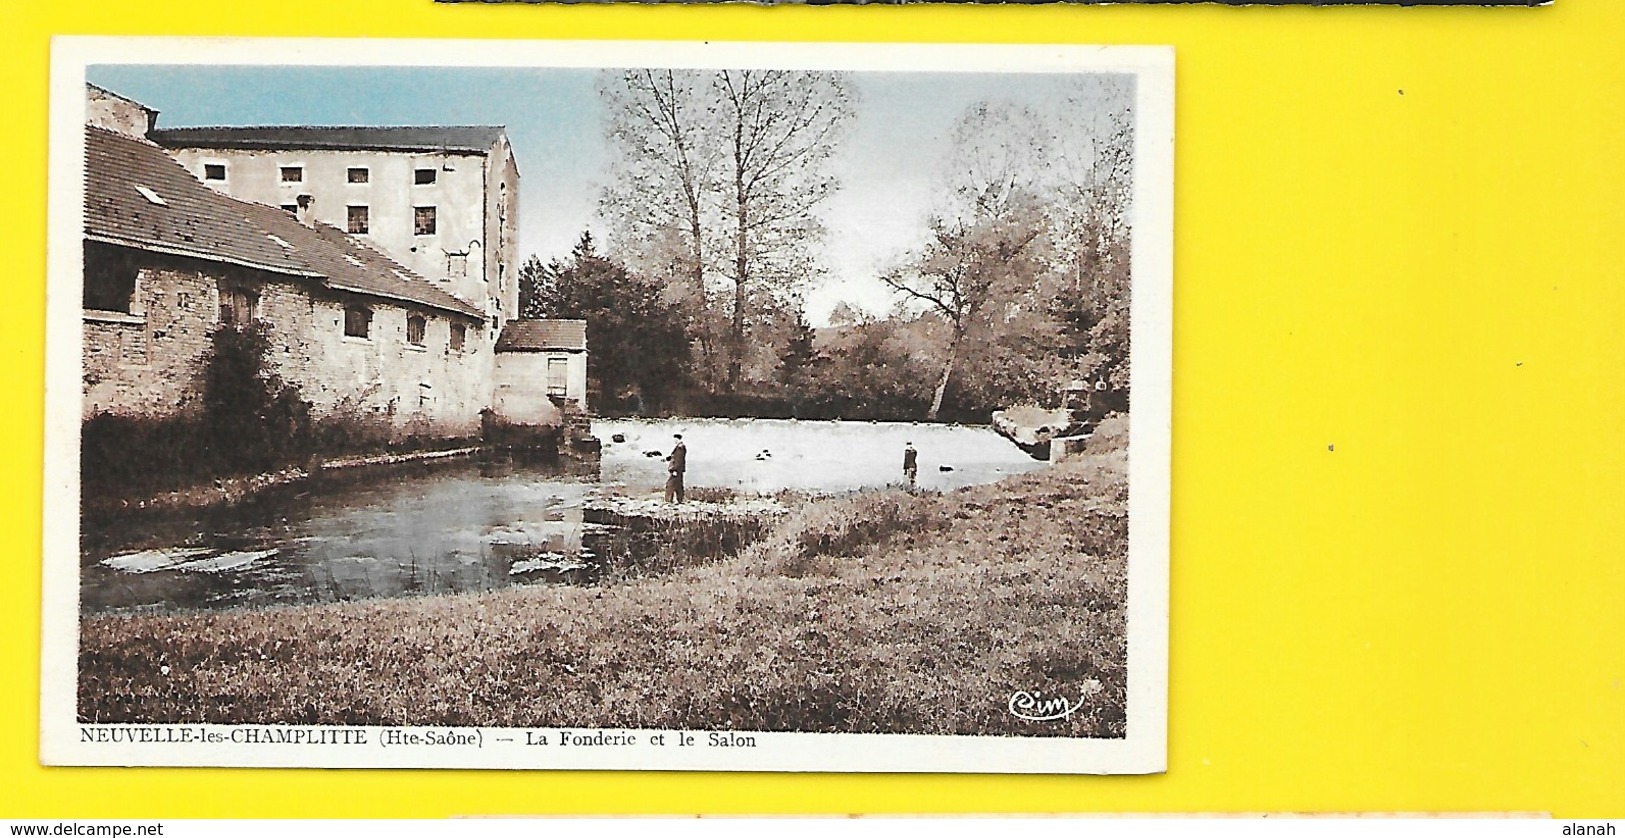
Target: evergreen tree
638,348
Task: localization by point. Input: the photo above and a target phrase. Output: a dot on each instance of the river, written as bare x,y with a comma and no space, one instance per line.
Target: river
467,525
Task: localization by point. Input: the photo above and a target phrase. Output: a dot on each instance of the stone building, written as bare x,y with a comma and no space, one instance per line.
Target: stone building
106,109
441,200
378,260
553,352
168,260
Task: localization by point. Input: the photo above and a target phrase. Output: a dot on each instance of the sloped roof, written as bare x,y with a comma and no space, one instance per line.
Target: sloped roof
540,335
476,139
136,195
105,92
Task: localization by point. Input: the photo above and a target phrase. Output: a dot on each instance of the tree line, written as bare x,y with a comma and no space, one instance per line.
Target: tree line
715,182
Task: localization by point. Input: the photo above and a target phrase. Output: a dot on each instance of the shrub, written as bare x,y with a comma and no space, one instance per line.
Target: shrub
254,421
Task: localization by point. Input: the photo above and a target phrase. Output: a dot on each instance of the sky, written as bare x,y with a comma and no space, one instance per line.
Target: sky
888,163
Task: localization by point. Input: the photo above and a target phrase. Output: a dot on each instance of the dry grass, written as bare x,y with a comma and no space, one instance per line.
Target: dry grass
880,612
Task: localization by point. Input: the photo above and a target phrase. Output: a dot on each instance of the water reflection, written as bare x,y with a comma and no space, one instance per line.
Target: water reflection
475,525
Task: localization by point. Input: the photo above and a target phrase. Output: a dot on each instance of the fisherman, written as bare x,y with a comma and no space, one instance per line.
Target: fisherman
911,462
676,464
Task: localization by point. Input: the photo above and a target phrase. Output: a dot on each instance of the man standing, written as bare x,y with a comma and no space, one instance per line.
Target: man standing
676,464
911,462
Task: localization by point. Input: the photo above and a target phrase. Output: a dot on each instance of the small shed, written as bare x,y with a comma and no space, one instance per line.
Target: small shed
541,366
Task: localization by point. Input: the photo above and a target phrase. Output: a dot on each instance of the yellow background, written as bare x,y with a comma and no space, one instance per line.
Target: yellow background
1399,415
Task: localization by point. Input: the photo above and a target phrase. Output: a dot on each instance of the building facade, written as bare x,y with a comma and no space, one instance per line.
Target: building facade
361,252
441,200
551,353
168,261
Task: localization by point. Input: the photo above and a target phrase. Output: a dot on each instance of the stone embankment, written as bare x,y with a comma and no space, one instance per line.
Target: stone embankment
232,490
1032,429
653,509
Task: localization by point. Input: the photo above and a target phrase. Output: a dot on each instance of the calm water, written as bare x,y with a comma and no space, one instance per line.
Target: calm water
468,526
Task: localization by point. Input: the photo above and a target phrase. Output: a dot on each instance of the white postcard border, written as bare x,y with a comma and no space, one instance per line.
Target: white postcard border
66,741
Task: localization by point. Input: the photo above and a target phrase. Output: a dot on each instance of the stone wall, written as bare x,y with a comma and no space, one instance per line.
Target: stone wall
146,362
105,109
519,396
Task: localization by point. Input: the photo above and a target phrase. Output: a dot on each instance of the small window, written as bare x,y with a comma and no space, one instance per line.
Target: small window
359,174
110,279
356,219
414,330
357,321
423,221
214,171
291,209
423,177
456,265
459,334
293,174
238,306
558,376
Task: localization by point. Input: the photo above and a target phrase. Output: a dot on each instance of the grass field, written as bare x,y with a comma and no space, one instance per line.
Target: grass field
878,612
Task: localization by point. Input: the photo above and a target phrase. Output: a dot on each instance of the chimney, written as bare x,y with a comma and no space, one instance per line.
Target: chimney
306,210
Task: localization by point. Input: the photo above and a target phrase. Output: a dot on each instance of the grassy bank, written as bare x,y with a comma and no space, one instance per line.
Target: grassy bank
880,612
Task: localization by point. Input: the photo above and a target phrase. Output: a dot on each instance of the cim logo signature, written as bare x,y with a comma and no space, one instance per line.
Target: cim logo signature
1034,707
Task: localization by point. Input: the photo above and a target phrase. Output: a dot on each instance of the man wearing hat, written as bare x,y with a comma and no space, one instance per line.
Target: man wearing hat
676,464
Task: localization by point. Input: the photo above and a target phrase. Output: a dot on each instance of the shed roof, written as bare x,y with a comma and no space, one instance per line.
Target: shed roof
475,139
542,335
136,195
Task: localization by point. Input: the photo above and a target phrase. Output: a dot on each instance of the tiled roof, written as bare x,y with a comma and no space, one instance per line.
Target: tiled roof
538,335
424,138
138,196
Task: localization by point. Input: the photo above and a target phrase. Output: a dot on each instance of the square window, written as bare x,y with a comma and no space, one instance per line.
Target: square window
356,219
357,321
110,279
238,306
423,177
423,221
359,174
459,334
214,171
293,174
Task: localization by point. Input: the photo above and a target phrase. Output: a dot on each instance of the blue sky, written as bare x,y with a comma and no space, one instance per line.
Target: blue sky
887,164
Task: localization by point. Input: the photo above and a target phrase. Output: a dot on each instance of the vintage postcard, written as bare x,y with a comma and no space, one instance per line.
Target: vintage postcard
795,407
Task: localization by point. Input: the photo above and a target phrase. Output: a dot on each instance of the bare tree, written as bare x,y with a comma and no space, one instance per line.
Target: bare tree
1093,214
661,130
779,129
987,254
973,271
732,165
